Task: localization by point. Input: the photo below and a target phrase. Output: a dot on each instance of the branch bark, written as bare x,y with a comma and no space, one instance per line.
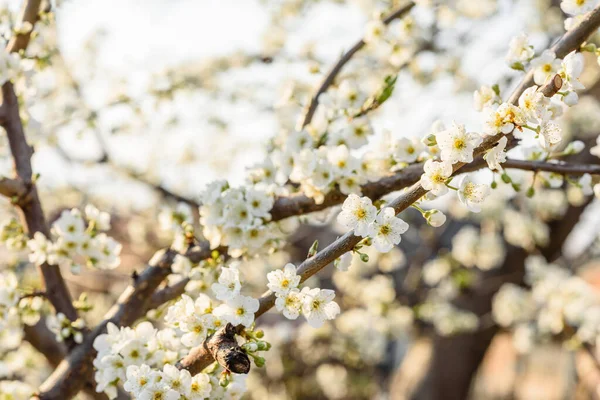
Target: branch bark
559,168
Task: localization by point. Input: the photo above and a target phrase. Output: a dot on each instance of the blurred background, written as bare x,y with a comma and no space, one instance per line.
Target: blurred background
144,102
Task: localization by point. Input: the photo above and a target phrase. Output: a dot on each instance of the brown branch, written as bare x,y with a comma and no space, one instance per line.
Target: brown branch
35,293
331,75
168,293
12,188
43,340
562,168
30,14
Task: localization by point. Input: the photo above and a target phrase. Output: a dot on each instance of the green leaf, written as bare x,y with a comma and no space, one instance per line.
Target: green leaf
518,66
496,89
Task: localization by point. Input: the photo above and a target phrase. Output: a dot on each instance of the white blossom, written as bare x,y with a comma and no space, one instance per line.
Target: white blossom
290,303
282,281
503,119
386,230
239,310
435,176
472,194
357,213
318,306
456,144
520,51
544,66
229,285
407,150
577,7
496,155
485,97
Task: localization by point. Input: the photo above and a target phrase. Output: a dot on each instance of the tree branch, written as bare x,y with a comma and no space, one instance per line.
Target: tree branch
30,206
30,14
562,168
330,77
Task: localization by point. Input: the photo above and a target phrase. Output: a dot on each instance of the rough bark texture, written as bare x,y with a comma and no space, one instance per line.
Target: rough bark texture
223,348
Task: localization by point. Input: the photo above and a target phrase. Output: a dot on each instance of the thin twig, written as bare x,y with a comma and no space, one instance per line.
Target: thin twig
335,70
559,168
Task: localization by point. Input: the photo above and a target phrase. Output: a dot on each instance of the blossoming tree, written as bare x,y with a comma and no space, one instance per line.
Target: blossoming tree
452,237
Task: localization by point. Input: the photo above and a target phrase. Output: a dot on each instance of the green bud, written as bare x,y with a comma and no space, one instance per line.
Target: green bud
224,380
388,89
506,178
518,66
516,187
251,347
591,47
364,257
259,362
313,249
494,185
430,140
261,346
496,89
259,333
530,192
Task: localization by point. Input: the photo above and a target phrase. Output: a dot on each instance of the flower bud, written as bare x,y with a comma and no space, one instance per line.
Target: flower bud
224,380
530,192
435,218
259,362
251,347
574,147
429,140
571,99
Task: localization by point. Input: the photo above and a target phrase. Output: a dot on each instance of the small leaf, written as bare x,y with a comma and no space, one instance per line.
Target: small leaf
496,89
518,66
313,249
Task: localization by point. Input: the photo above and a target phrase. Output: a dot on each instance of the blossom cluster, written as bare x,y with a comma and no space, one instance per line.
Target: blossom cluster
237,217
447,319
395,42
15,310
471,248
63,328
316,304
142,359
10,66
554,303
382,226
127,355
455,145
77,242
